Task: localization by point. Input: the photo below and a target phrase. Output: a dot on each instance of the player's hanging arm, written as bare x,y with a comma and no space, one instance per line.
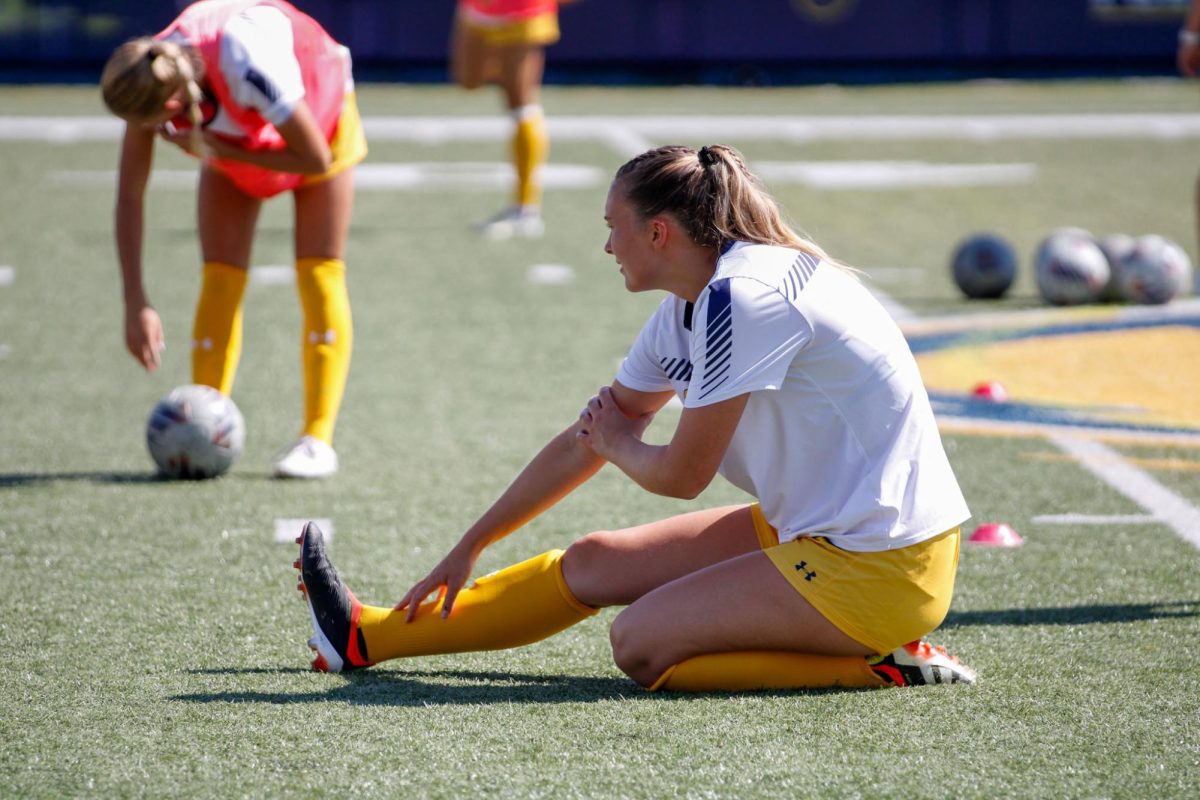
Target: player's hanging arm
144,337
307,152
682,468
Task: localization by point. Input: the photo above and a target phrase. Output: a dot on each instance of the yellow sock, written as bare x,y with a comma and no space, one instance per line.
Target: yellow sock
328,341
518,605
217,328
733,672
530,148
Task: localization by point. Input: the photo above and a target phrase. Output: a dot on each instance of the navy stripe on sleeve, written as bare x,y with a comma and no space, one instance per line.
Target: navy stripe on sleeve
718,337
798,274
260,82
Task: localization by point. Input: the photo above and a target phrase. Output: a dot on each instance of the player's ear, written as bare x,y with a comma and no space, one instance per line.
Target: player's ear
658,231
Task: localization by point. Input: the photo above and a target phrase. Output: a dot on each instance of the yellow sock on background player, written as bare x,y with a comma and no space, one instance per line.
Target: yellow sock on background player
530,149
328,342
217,327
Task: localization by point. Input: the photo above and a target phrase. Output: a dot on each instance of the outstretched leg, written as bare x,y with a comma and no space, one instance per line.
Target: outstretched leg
518,605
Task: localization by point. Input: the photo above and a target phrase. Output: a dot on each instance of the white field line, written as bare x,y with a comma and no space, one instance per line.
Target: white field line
899,312
829,175
1106,464
287,530
1094,519
631,134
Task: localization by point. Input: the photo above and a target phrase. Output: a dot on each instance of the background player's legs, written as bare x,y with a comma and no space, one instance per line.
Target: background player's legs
322,224
226,218
472,63
521,70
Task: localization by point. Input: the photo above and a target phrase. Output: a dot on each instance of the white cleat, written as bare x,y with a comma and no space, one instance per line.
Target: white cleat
307,457
512,223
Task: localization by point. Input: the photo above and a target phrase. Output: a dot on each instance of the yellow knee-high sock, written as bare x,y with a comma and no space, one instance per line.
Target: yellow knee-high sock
733,672
327,344
518,605
530,149
217,328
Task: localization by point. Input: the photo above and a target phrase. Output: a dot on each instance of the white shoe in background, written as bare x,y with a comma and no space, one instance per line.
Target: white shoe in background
523,222
307,457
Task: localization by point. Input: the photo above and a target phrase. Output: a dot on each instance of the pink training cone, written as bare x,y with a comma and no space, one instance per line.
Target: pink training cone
996,534
992,391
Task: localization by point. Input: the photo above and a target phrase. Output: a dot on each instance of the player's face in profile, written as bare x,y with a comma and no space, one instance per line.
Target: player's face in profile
628,240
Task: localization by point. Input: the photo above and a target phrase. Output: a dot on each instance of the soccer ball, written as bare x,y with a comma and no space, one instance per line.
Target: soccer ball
1154,271
1116,247
195,432
1070,268
984,266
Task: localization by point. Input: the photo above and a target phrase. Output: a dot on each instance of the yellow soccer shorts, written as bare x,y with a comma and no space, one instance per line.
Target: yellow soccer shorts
881,599
540,30
349,144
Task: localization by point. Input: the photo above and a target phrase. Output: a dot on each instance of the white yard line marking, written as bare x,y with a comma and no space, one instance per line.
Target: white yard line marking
1106,464
7,275
550,274
1094,519
899,312
631,134
288,530
272,275
891,174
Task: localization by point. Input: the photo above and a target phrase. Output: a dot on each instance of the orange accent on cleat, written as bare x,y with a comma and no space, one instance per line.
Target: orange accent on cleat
296,563
300,539
320,664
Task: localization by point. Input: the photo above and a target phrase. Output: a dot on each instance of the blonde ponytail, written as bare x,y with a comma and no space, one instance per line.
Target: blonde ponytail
142,74
713,195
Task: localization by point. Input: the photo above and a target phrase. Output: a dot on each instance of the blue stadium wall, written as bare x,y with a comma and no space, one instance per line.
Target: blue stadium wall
717,41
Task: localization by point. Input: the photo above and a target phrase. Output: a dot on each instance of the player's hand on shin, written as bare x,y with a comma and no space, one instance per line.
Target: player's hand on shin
445,580
603,426
144,337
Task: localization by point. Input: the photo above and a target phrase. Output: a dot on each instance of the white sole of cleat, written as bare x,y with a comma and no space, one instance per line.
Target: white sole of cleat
325,650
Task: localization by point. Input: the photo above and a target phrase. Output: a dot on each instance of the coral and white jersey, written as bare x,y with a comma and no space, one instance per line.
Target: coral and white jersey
838,438
505,11
261,58
258,63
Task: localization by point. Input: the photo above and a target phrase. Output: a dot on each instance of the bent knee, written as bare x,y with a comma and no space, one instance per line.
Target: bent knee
637,654
585,567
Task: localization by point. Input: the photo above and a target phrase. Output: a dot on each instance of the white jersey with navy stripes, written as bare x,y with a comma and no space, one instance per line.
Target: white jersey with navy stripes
838,438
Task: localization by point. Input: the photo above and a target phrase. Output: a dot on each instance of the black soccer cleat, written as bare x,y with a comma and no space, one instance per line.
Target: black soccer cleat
337,639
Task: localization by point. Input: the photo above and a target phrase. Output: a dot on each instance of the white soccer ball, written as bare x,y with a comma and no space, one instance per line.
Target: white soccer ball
1154,271
1116,247
195,432
1070,268
983,265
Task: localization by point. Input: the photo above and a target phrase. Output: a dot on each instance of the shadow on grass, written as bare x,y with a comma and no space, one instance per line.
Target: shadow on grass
385,687
14,480
1075,615
18,480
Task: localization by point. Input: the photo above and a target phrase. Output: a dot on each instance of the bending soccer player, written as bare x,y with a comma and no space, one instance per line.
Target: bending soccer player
263,95
799,388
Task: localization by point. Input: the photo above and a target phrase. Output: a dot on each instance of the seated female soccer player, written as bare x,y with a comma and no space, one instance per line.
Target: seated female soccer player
265,97
798,387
